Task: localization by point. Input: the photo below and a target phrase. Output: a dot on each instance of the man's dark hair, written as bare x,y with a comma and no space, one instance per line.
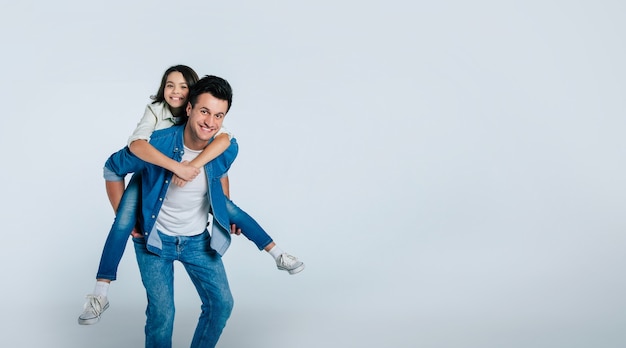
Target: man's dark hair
216,86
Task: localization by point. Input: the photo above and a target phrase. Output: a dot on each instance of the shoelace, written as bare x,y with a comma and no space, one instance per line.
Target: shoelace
287,260
94,304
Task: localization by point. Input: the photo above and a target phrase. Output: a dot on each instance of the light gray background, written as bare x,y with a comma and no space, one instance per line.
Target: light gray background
451,172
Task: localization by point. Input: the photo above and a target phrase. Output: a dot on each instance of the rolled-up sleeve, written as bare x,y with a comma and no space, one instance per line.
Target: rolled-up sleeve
121,163
222,163
110,175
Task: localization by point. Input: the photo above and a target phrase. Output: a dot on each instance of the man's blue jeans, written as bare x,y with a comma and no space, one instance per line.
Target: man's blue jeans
207,273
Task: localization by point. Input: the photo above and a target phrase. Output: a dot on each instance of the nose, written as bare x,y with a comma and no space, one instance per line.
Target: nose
210,121
214,122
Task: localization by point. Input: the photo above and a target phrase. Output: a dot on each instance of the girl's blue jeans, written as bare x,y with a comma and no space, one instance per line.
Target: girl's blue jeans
249,227
126,218
125,221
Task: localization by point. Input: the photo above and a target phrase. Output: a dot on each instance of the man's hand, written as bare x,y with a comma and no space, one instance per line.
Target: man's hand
234,229
136,234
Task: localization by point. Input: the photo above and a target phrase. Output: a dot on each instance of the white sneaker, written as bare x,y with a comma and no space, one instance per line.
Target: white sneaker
94,307
289,263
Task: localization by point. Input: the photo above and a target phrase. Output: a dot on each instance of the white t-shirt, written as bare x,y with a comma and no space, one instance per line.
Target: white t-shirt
185,210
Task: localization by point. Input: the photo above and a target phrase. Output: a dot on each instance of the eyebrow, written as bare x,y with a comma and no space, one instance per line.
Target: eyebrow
209,110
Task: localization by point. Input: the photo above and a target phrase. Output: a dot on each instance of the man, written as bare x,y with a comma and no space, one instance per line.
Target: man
174,219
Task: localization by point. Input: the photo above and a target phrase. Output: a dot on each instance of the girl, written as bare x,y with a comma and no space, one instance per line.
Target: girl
167,109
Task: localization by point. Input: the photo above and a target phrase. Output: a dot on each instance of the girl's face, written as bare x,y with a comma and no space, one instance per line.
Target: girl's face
176,90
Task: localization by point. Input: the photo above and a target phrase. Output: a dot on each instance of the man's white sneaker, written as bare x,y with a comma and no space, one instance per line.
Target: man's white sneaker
289,263
94,307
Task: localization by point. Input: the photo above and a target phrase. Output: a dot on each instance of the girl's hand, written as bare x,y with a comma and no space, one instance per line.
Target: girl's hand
186,172
178,181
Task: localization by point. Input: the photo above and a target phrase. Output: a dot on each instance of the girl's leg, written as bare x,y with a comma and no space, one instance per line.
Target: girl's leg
125,221
254,232
112,252
249,227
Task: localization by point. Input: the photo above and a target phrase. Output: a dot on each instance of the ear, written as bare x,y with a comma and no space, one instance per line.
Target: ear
188,109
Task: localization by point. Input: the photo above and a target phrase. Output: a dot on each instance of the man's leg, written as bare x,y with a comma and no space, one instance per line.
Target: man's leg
157,275
207,273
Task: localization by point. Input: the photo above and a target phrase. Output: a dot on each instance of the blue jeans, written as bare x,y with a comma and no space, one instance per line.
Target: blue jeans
207,273
249,227
125,221
126,218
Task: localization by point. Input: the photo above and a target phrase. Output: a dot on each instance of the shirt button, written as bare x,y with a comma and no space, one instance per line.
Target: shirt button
153,216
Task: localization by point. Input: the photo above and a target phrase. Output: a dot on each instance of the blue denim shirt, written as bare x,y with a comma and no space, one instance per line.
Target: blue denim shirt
155,181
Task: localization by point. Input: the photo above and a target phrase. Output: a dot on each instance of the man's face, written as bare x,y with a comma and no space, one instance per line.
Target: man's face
205,119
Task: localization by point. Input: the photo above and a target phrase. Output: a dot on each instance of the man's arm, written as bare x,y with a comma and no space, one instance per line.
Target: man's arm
115,169
115,190
225,186
221,164
226,189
